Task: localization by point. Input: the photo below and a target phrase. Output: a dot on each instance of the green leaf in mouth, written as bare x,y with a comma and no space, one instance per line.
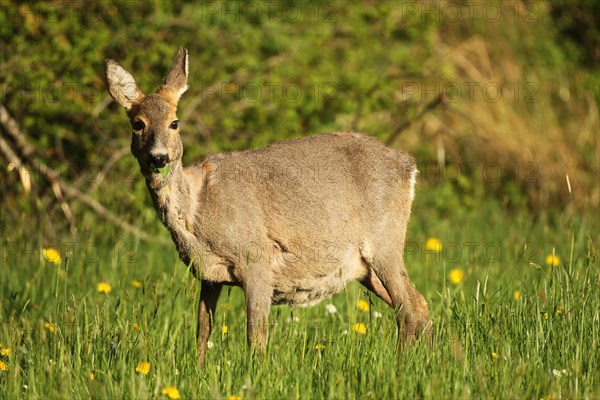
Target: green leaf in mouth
164,170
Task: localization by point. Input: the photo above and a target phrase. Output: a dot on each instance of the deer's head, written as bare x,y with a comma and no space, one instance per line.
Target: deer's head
155,140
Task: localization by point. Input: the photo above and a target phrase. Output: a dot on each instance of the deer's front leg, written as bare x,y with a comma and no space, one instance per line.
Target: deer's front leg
258,291
209,295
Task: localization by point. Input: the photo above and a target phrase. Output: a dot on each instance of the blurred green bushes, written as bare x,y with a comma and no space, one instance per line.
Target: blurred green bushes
518,83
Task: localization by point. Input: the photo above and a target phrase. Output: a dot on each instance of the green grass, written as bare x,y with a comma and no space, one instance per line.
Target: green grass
487,344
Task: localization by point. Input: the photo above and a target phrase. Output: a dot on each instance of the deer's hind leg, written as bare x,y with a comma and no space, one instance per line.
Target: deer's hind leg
389,280
373,283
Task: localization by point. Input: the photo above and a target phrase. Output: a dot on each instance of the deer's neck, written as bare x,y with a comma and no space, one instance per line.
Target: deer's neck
174,199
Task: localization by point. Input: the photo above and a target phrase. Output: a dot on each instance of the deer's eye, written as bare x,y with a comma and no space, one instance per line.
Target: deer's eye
138,125
174,124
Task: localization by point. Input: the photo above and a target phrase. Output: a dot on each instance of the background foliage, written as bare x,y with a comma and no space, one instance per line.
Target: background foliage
265,72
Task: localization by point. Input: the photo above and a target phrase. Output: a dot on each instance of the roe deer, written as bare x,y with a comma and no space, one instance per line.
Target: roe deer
292,223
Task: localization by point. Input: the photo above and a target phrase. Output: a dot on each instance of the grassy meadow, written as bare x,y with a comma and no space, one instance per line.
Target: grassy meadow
514,302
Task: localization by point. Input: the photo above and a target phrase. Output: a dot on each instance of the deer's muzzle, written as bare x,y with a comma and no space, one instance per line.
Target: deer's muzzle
159,160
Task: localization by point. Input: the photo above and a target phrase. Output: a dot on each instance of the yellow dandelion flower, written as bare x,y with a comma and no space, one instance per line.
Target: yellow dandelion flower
545,315
552,260
5,351
558,311
136,327
50,326
103,287
433,244
3,366
171,392
224,329
456,276
517,295
494,355
234,397
319,346
363,305
52,255
359,328
143,368
136,284
91,377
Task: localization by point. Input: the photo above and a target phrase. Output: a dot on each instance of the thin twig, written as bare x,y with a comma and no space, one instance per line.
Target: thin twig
12,128
407,124
101,176
64,206
9,154
107,215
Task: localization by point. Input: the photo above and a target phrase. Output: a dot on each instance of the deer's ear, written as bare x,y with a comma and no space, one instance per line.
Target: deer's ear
122,85
176,80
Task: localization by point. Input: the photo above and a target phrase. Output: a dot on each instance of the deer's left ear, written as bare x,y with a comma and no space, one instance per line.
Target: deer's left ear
122,85
176,80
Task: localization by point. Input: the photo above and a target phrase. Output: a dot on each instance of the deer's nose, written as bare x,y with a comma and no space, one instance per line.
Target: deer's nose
159,160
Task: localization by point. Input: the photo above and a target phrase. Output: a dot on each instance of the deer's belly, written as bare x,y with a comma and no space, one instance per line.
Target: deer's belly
306,293
305,284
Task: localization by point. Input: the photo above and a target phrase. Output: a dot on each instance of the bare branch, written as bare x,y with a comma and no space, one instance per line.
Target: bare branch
428,107
12,128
